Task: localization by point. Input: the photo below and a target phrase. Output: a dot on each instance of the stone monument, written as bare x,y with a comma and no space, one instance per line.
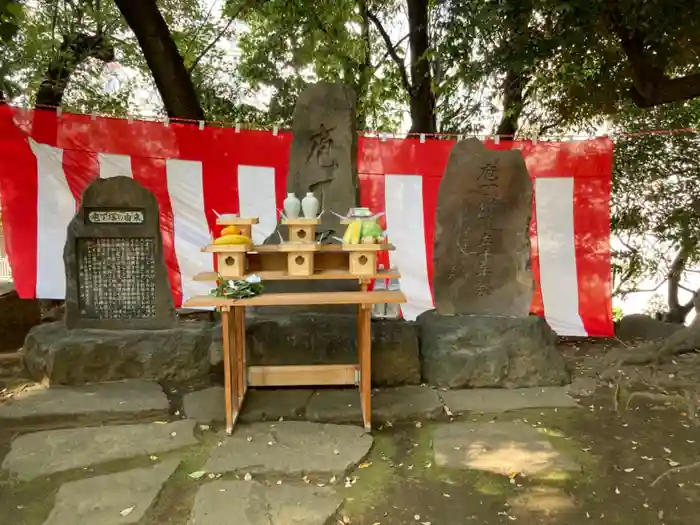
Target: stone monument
120,322
481,333
115,272
322,160
482,241
323,155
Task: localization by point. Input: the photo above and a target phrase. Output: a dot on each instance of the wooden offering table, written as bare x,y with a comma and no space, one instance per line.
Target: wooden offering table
272,262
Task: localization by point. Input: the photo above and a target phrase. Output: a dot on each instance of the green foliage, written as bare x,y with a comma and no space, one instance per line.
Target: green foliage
617,313
655,305
656,184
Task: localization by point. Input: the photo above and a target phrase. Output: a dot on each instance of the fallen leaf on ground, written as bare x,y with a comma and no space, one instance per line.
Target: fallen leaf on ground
629,470
198,474
127,511
365,465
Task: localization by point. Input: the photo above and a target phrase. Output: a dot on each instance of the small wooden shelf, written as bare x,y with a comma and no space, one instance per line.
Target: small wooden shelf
238,221
228,248
283,275
299,299
326,248
301,221
298,247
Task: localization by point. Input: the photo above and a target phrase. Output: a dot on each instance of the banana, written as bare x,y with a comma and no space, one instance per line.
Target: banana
352,233
231,230
356,231
232,239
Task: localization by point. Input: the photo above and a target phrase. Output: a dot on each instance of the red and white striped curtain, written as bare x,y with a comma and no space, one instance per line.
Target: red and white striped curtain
47,160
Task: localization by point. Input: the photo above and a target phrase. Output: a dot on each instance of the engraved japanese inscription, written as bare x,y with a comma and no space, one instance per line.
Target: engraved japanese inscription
481,240
116,278
115,216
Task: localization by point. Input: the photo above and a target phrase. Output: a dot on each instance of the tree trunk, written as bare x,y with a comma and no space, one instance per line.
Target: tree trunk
365,67
515,39
677,312
163,58
422,98
74,50
513,87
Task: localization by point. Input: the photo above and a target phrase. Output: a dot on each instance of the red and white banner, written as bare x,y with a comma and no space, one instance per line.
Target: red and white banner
47,160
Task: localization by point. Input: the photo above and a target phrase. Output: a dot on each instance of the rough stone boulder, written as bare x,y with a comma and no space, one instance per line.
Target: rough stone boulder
68,357
640,326
472,351
17,317
300,339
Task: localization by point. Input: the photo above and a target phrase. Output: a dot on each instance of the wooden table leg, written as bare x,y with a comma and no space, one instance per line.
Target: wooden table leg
229,390
364,347
240,358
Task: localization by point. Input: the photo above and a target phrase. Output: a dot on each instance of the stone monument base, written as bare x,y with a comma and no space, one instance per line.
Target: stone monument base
472,351
187,352
66,357
313,338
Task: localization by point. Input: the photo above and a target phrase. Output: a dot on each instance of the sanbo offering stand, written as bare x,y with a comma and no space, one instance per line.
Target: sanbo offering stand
295,260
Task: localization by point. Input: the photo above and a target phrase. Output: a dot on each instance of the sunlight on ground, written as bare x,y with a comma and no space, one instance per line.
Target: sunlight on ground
510,457
542,500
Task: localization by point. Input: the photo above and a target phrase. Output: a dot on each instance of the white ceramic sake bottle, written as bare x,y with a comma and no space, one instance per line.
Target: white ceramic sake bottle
310,206
292,206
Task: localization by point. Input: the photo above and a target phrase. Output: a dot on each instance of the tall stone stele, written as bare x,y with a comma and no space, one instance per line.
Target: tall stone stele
322,160
482,241
481,333
116,277
323,155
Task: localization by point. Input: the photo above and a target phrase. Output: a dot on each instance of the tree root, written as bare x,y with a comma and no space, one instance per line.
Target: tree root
682,342
675,470
653,397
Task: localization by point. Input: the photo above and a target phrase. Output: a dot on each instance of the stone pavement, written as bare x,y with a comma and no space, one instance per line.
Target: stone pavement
115,499
267,473
44,453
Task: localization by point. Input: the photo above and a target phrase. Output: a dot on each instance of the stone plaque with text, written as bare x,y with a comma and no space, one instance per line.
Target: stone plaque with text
482,242
115,273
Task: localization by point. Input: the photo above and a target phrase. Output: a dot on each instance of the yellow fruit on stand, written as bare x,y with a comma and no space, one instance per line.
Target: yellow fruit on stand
231,230
352,233
232,239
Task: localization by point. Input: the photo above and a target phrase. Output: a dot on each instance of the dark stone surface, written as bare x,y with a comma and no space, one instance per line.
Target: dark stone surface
323,155
67,357
126,283
17,317
322,159
471,351
330,339
640,326
482,242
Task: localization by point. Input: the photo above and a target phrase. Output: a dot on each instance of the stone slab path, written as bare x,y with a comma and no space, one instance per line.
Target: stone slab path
497,400
501,448
51,451
123,398
248,503
290,448
407,403
114,499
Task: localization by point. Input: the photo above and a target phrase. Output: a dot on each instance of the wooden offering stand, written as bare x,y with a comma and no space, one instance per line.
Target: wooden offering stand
298,259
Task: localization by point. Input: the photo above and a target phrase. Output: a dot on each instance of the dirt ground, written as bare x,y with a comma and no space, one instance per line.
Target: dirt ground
622,449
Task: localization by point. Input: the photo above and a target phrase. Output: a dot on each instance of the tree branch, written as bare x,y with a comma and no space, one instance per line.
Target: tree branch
651,85
391,50
195,63
394,47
